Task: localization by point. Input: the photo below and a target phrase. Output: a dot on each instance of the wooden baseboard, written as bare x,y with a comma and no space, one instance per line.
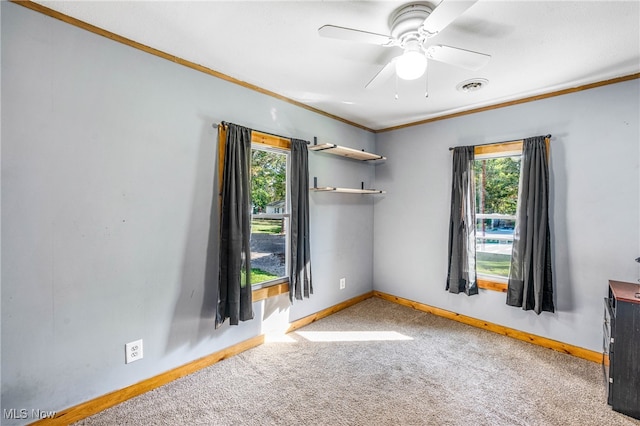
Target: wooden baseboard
94,406
101,403
506,331
89,408
326,312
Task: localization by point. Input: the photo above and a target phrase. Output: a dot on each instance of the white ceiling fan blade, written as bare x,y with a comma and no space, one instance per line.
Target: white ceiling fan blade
444,14
342,33
458,57
382,75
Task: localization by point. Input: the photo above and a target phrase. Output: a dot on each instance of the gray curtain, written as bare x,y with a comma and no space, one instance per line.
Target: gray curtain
234,288
300,263
461,274
530,281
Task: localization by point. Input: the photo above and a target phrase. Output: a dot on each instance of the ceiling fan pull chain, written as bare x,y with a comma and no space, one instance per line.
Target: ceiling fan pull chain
426,83
396,87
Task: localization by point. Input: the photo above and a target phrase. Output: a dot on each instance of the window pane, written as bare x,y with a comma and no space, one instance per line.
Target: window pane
268,181
268,197
268,249
496,182
497,185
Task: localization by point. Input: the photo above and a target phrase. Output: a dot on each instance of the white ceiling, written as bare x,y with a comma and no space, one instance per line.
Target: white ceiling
535,46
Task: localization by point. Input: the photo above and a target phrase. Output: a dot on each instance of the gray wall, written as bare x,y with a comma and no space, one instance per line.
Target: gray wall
108,169
108,175
594,207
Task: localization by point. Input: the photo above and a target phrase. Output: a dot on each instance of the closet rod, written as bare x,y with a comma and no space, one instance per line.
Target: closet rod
451,148
215,125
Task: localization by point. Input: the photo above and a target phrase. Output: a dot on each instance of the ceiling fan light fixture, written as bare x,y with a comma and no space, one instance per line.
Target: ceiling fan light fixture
411,65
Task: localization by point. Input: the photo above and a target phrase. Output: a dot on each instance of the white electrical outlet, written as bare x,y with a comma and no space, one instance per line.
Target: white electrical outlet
133,351
343,283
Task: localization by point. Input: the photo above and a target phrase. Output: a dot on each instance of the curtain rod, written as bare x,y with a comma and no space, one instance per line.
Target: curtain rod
215,125
451,148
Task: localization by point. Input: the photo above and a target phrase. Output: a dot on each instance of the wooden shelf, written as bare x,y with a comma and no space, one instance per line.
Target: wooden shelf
360,190
343,151
346,190
353,154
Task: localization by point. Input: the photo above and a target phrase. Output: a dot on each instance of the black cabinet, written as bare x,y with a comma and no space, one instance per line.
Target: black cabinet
622,346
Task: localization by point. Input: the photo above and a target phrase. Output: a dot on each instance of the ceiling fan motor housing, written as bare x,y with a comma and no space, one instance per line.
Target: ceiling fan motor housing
406,22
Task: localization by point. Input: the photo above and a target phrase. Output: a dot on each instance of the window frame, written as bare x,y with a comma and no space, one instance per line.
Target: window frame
505,149
266,139
280,287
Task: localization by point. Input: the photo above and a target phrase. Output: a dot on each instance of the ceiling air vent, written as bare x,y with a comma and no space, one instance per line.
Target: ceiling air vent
472,85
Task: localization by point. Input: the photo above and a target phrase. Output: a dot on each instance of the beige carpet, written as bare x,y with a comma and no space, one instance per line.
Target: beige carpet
403,367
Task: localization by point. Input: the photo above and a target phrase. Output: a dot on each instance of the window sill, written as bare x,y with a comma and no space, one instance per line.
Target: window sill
492,285
270,291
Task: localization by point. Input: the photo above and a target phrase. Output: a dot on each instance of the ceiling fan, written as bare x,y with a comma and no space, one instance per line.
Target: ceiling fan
412,25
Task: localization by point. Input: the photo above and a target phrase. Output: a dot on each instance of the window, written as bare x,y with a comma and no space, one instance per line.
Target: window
270,215
497,176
